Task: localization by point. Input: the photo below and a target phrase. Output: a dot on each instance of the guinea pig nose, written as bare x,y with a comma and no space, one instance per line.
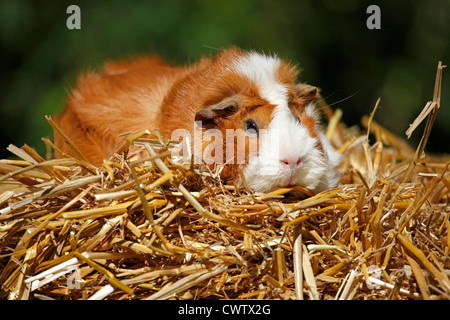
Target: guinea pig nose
291,162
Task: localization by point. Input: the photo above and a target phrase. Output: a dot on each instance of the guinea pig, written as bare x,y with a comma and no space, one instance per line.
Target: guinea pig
235,101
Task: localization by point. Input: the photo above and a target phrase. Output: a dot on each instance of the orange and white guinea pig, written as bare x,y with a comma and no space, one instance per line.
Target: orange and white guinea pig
246,92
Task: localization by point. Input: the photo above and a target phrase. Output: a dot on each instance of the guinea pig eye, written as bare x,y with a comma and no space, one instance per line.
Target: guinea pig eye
251,127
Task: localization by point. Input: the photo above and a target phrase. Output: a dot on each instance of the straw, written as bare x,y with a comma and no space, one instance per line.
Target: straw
148,228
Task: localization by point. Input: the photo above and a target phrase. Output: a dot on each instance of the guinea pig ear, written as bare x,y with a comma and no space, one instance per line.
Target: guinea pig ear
223,109
306,92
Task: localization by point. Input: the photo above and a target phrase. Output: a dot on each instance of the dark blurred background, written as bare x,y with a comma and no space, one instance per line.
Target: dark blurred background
354,66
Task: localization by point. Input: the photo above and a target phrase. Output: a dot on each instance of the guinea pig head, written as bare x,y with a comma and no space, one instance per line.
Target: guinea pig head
269,128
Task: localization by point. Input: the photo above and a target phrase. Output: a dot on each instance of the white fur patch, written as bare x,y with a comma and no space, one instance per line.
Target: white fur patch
261,70
285,138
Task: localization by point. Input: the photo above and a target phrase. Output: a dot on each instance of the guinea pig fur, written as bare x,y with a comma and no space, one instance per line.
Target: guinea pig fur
237,101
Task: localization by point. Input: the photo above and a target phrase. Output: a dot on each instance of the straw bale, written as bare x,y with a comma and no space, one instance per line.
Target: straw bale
148,228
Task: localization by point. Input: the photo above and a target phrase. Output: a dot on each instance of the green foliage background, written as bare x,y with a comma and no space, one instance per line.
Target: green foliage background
328,39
